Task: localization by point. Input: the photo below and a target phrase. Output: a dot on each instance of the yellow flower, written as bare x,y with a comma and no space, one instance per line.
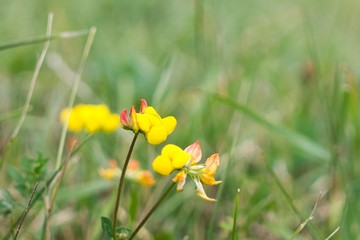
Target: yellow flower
149,122
134,173
172,157
90,118
199,173
110,173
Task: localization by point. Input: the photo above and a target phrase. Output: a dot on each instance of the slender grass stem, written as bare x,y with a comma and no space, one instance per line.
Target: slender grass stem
26,210
152,210
237,200
289,199
73,93
121,183
30,92
40,39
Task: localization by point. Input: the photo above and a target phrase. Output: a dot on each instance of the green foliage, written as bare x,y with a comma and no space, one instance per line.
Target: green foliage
7,202
106,226
29,172
284,82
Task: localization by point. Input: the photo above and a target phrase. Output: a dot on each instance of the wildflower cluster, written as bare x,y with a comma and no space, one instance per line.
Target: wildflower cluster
90,118
134,173
155,128
187,162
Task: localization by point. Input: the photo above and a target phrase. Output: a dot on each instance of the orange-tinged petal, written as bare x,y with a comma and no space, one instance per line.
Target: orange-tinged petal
133,165
180,179
109,173
212,163
195,151
208,179
162,165
169,123
146,178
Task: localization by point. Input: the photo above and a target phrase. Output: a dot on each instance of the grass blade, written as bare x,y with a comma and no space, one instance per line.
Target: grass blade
41,39
298,140
237,200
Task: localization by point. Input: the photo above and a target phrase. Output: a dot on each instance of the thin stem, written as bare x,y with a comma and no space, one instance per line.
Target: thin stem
30,92
237,199
121,183
77,80
26,210
62,35
156,205
289,199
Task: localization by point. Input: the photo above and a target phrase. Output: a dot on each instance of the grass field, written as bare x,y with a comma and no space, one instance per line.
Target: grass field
272,86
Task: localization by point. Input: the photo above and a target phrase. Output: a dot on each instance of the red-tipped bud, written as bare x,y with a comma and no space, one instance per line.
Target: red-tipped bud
124,120
143,105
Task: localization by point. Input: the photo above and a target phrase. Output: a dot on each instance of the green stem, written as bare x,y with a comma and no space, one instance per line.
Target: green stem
156,205
313,231
121,183
237,199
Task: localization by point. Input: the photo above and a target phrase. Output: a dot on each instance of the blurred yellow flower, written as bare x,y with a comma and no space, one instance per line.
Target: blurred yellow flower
90,118
134,173
187,161
149,122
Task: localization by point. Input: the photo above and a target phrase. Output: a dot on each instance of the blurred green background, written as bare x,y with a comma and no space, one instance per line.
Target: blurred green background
252,80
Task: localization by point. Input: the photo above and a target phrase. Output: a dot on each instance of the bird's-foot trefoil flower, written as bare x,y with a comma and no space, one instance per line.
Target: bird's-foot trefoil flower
134,173
90,118
187,162
147,121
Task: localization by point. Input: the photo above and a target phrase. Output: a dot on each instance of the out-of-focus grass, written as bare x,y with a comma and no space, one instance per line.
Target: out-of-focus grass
294,63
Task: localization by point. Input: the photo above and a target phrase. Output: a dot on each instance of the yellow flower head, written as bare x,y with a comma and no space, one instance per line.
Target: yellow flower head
134,173
172,157
201,174
89,118
149,122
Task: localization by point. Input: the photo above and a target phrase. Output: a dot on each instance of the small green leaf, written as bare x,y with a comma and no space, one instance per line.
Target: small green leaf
6,207
106,226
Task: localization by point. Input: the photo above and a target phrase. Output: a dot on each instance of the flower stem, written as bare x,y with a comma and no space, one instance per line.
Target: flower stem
121,183
156,205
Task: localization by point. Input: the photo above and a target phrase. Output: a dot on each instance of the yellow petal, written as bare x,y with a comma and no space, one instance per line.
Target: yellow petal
156,135
162,165
170,150
180,159
143,122
111,123
169,123
151,110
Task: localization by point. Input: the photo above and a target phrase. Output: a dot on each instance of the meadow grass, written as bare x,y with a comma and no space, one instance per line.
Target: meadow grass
271,86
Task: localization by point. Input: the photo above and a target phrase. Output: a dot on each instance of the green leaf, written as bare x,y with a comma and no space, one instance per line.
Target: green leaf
6,207
106,226
298,140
